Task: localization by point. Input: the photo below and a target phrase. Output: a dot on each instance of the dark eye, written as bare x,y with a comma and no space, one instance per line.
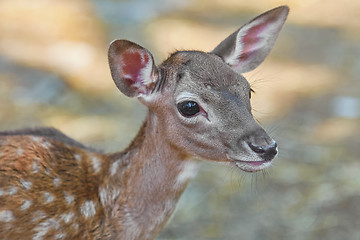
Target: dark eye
188,108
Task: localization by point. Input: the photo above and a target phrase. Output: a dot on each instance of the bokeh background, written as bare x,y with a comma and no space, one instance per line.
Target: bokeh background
53,72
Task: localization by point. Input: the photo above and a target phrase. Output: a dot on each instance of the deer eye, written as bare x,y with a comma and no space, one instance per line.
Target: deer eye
188,108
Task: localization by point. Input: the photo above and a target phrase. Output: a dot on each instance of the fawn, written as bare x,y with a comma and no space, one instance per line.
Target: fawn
52,187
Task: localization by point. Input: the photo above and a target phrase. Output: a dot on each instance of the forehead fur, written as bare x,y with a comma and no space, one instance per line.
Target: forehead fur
204,68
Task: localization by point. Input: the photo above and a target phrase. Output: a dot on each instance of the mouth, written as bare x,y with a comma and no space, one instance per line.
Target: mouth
251,166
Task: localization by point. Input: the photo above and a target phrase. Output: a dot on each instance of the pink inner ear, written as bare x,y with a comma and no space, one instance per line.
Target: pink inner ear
134,63
250,40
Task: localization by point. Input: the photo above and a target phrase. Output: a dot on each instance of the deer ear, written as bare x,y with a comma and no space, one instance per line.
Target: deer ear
132,68
246,48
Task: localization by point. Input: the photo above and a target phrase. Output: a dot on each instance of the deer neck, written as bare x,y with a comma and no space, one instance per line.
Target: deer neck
153,174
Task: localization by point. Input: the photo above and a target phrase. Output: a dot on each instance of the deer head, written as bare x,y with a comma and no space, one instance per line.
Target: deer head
201,100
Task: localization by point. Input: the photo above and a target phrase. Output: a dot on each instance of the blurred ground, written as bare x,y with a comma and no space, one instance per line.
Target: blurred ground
53,71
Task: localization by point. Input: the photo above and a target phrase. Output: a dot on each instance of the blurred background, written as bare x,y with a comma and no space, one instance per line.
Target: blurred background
53,72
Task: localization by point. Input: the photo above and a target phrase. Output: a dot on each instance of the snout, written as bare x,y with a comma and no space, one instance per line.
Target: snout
256,151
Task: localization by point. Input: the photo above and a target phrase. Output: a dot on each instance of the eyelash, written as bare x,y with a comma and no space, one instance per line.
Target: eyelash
251,91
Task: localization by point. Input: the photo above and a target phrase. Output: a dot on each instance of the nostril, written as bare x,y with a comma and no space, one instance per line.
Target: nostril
271,147
266,152
257,149
270,151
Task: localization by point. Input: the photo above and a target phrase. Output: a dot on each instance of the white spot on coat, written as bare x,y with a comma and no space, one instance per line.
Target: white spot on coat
60,235
41,231
36,138
12,191
48,197
69,198
56,182
43,228
66,217
6,216
35,166
26,184
115,166
19,151
26,205
96,163
2,192
88,209
46,145
103,196
38,215
77,157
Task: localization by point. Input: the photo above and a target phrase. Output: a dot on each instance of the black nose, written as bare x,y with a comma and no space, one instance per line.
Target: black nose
267,152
